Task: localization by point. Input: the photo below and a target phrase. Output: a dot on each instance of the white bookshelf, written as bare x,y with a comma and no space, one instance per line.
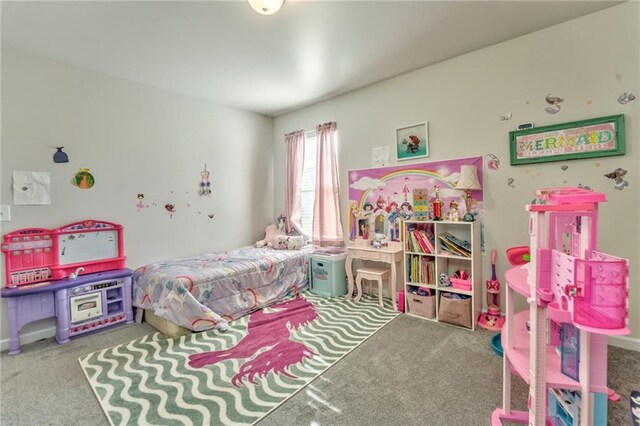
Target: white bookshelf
443,261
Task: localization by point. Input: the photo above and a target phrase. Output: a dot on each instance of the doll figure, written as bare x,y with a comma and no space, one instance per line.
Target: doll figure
472,215
393,206
394,225
406,210
454,213
354,214
381,204
367,209
140,204
364,230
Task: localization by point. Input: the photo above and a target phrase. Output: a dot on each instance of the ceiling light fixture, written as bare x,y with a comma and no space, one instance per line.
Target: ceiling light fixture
266,7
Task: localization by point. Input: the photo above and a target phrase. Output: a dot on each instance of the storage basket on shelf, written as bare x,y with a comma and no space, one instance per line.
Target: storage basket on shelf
460,284
424,306
455,311
461,280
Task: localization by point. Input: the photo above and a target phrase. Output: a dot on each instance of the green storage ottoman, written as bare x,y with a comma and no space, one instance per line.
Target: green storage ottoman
327,275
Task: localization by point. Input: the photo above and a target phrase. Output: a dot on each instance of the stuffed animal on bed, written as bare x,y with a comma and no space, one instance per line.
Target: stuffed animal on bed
272,232
277,238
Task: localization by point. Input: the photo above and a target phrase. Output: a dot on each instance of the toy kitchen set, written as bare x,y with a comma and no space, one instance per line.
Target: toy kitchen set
75,273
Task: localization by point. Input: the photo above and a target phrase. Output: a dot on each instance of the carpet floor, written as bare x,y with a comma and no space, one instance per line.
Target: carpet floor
412,372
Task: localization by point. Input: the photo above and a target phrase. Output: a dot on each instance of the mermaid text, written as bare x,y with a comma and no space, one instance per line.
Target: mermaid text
593,138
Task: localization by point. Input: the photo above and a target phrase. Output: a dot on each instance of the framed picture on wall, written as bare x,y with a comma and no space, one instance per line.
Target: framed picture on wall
597,137
412,142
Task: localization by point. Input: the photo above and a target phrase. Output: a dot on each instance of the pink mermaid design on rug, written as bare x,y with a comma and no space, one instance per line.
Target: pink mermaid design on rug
267,330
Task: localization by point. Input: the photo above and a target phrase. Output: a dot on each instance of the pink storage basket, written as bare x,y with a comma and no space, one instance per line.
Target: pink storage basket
460,284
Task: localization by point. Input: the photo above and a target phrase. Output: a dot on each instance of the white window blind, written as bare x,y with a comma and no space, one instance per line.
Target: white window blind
308,187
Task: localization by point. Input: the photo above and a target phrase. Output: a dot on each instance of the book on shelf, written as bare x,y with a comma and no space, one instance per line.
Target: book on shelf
419,241
425,239
432,242
408,237
420,270
454,245
420,238
428,271
413,269
416,243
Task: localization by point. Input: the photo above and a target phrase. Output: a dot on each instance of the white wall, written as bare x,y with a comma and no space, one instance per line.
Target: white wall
588,62
133,138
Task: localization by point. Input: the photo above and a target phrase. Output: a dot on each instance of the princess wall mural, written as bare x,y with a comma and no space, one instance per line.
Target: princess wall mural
409,192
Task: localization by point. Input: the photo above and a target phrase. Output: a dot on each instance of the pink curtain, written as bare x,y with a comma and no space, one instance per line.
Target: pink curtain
327,227
294,159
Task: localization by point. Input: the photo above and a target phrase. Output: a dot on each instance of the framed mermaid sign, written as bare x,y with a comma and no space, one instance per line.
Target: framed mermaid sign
597,137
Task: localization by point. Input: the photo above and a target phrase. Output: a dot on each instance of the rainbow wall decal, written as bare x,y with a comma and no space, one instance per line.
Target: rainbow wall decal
396,184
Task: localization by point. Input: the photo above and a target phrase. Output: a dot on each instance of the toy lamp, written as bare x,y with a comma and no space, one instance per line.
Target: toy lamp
468,182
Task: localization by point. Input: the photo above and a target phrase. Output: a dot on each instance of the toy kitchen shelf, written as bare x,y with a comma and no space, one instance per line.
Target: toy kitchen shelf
87,304
425,261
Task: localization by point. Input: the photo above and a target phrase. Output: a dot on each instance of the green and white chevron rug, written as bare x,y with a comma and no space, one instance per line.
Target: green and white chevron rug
235,377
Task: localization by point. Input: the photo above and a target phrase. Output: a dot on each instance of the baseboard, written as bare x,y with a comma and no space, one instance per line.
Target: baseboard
623,342
631,343
31,337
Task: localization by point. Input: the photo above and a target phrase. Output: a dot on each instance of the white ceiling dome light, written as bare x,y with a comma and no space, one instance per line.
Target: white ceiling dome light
266,7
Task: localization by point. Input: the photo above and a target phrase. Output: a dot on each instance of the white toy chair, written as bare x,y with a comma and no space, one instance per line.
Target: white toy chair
373,273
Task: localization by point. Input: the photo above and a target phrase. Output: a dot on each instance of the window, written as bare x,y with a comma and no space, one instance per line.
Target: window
308,186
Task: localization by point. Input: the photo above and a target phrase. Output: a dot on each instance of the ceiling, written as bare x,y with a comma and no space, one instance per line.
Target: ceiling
222,51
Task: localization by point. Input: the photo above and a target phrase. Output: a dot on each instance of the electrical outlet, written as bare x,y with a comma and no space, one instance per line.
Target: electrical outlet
5,213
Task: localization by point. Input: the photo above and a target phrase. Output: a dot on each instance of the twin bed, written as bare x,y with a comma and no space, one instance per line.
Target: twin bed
201,292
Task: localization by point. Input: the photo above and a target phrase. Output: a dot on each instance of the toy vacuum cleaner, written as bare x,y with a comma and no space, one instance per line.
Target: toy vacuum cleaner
492,319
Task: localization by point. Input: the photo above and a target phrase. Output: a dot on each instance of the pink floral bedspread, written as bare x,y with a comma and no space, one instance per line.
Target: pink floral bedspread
206,291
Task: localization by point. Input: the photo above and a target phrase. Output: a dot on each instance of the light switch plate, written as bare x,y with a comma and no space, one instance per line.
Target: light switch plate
5,213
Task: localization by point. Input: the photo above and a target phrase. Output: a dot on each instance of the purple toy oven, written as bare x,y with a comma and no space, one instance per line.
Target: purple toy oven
89,303
97,304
